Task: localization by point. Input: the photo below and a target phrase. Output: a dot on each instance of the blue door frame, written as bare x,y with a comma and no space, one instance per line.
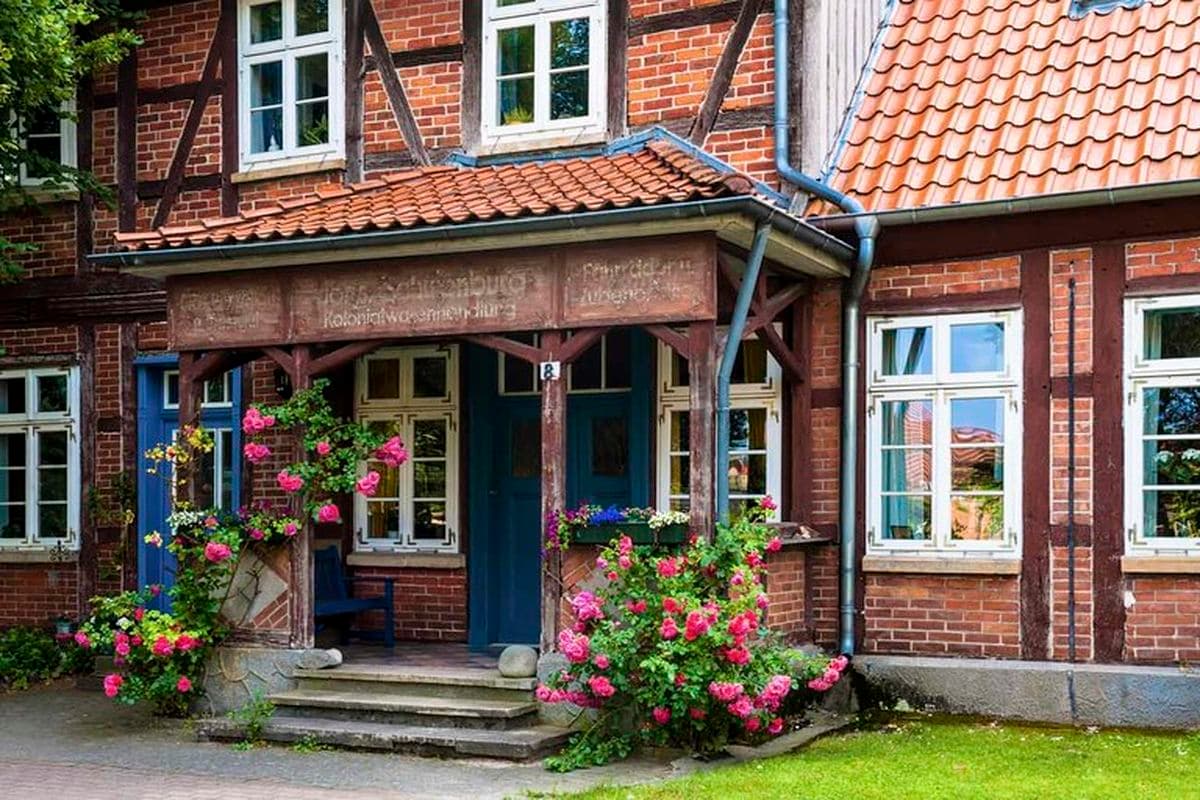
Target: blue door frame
504,485
156,422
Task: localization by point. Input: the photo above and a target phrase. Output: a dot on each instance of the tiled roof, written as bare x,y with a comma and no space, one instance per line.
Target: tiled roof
656,174
972,100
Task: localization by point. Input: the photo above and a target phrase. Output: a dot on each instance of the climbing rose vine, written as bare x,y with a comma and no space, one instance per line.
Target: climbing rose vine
675,643
160,656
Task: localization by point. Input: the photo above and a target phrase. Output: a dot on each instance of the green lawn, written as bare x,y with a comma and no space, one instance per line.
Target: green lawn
933,758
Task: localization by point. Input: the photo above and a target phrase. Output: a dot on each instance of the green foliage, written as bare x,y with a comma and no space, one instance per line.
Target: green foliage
253,717
308,744
46,47
29,655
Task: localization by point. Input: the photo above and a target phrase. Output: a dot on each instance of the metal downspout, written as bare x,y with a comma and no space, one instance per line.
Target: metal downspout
867,228
737,325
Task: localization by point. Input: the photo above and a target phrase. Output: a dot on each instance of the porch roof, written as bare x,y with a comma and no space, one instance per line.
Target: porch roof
649,177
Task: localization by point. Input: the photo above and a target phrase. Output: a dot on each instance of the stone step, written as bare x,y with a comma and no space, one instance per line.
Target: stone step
513,745
462,682
407,709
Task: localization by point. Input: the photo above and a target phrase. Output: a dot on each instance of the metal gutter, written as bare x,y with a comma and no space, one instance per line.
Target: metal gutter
733,340
1082,198
867,228
753,208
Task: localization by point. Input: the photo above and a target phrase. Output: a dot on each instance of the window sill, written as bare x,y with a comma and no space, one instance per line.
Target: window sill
947,565
1160,565
37,194
534,142
285,169
39,555
407,560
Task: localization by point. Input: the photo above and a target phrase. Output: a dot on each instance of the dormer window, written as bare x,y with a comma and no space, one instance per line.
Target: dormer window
290,80
543,72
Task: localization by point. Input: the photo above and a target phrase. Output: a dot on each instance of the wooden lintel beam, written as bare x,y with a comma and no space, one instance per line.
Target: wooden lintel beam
791,364
405,119
525,352
672,338
283,359
576,346
187,138
332,360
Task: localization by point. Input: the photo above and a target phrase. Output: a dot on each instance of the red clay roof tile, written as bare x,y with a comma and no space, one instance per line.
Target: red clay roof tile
658,173
972,100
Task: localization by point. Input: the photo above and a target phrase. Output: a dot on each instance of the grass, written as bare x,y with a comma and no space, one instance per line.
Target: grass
929,758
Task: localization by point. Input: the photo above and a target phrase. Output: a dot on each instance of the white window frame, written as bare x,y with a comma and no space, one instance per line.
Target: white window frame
32,424
542,130
403,412
1142,373
288,49
66,146
940,387
227,391
671,398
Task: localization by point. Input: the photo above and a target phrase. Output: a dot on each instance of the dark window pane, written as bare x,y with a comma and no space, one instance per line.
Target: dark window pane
518,374
266,22
266,130
12,450
747,429
429,438
680,474
429,377
526,449
977,347
906,517
679,370
46,147
610,446
206,479
1173,333
215,391
52,484
750,364
1171,463
617,360
680,431
907,351
44,121
429,521
976,518
312,77
979,419
514,51
383,378
586,370
383,520
748,474
569,43
1172,410
312,123
12,395
12,522
52,448
1172,514
569,95
515,103
312,16
12,485
429,478
907,470
52,521
172,390
266,84
225,439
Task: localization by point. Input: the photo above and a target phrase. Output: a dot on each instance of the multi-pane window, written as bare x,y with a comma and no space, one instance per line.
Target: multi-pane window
39,458
1162,424
944,433
217,392
604,367
754,428
290,79
543,68
49,138
412,393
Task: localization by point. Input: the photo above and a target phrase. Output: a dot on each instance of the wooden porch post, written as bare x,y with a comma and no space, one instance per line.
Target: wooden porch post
554,487
702,425
189,406
300,599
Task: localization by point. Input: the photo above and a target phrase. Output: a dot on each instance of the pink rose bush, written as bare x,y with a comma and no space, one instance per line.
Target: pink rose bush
676,642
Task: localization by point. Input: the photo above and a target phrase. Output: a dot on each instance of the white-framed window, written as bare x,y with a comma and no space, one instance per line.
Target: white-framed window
1162,425
411,392
755,431
606,366
217,392
291,80
50,135
215,477
543,70
944,434
39,458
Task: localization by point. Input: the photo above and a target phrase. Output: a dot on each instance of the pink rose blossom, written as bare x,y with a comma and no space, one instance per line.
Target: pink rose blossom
289,529
392,452
586,607
368,484
82,639
767,503
112,684
671,605
624,562
289,482
183,685
625,545
543,693
775,545
185,642
738,578
255,452
775,726
162,647
602,661
601,562
725,692
329,513
155,590
840,663
738,627
738,655
138,613
697,713
661,714
819,685
669,629
831,676
741,707
697,625
668,567
121,648
761,601
574,646
135,640
217,552
253,421
753,559
256,534
612,576
680,679
323,448
636,606
269,420
601,686
753,724
210,522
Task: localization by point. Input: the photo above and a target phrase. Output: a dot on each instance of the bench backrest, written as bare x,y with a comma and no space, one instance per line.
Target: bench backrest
329,583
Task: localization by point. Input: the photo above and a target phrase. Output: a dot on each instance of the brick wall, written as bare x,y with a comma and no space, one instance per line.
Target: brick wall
1163,624
430,604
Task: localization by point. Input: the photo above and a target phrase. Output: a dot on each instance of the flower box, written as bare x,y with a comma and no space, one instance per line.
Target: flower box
639,531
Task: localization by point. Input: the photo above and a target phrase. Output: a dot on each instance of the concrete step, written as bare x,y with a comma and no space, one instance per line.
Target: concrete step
513,745
407,709
462,682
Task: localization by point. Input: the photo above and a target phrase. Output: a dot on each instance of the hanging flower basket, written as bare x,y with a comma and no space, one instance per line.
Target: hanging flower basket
590,524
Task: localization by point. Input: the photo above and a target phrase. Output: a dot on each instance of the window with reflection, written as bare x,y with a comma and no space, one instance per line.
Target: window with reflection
543,68
39,458
943,424
411,392
1162,424
290,54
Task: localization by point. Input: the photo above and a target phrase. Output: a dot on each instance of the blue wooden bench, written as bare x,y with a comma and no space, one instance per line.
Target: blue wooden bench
334,600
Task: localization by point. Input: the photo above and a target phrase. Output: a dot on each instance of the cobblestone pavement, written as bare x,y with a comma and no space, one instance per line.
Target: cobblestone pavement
59,743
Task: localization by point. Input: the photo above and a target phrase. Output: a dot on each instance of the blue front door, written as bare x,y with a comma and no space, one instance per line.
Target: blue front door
219,482
607,464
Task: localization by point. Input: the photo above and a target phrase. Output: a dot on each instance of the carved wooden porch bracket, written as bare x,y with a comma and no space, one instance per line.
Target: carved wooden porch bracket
764,310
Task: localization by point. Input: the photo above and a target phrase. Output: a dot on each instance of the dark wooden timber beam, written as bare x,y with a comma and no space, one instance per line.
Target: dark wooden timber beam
525,352
392,86
284,359
671,338
127,102
183,147
766,310
85,208
722,76
554,488
576,346
300,596
230,147
686,18
355,72
344,354
792,366
1036,593
702,429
